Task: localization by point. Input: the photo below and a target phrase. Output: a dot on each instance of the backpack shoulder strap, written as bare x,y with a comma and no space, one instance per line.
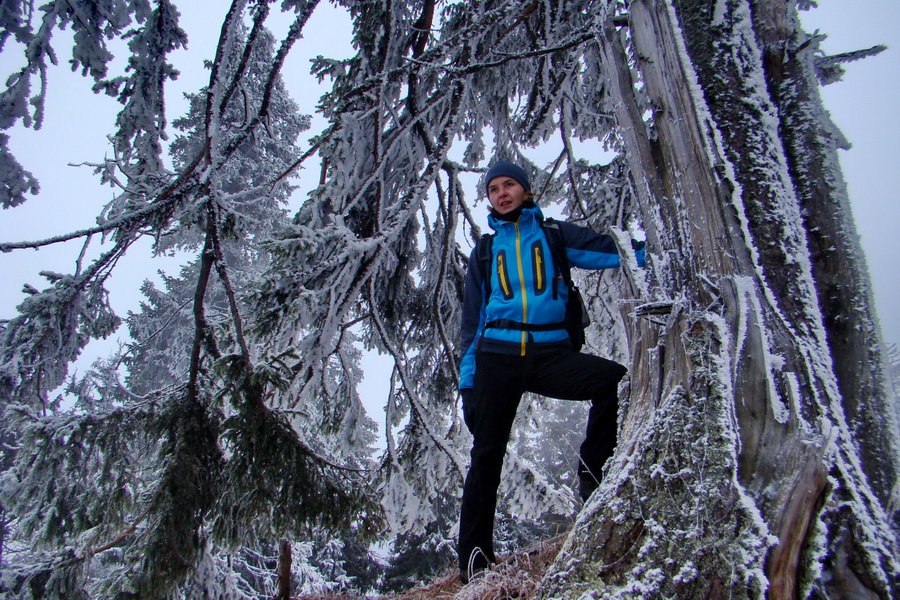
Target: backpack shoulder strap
557,249
577,317
483,252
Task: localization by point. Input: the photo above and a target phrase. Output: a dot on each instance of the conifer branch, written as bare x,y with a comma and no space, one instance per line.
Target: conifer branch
448,247
91,552
409,387
226,33
133,220
238,75
207,257
222,270
312,150
273,77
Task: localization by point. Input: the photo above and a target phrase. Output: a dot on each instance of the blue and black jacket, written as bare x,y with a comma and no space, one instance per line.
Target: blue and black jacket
525,287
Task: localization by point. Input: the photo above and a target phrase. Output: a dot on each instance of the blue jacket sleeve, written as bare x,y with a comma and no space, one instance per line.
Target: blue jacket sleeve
587,249
640,252
472,322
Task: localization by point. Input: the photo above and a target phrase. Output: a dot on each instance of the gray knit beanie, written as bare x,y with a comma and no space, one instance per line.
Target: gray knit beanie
503,168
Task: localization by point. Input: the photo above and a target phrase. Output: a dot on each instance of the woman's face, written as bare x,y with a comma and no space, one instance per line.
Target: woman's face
505,194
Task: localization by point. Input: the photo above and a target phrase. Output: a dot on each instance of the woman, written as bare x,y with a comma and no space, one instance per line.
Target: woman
513,340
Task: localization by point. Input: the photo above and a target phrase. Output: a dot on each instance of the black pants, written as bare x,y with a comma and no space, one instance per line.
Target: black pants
500,381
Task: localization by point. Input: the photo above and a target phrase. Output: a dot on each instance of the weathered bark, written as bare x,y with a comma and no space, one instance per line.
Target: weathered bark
735,470
783,172
839,267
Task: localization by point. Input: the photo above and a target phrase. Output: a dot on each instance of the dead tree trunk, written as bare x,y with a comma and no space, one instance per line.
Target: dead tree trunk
736,474
839,267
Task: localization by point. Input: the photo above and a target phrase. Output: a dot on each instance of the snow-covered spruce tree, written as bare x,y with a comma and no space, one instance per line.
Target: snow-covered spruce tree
418,556
744,468
164,326
128,490
55,324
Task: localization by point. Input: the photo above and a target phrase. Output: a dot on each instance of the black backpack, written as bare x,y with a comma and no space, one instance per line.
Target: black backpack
577,317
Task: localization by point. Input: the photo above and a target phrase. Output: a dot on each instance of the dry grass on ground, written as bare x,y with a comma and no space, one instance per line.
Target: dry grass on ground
517,576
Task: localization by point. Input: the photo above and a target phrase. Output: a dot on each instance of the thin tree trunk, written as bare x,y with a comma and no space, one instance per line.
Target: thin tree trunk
284,570
7,455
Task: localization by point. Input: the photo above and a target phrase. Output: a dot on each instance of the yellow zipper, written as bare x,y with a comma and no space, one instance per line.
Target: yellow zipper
502,275
538,269
522,286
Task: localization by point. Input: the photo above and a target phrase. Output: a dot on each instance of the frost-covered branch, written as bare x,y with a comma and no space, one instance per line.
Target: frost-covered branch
133,220
409,388
829,68
202,334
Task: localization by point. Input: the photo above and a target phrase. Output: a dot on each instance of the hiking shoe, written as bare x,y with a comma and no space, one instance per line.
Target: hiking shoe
478,573
476,566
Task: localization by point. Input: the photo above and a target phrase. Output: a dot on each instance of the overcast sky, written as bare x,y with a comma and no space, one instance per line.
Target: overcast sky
864,106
